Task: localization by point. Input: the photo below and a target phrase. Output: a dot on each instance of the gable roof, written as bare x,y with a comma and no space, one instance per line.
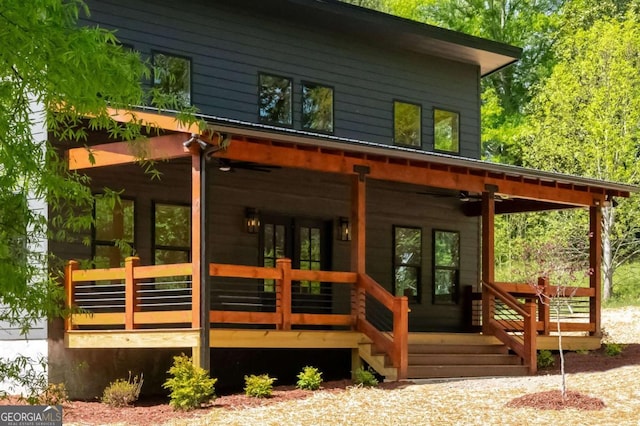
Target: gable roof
380,28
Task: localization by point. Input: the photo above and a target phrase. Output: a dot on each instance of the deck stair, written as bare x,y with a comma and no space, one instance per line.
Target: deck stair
450,355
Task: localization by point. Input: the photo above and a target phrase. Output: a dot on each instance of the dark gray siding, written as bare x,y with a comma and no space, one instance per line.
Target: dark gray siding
230,47
302,194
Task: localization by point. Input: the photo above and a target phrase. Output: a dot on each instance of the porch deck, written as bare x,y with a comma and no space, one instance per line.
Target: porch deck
157,307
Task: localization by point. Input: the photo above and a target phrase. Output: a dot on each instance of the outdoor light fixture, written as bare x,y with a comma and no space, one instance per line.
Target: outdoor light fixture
344,229
251,220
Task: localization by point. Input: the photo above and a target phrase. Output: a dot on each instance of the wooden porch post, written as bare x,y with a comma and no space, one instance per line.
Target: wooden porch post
358,253
199,271
595,264
130,292
69,289
488,255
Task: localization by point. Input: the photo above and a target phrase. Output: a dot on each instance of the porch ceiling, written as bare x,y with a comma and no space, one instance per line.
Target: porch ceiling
522,189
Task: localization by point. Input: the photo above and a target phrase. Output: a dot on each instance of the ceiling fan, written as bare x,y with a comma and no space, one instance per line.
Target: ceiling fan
226,165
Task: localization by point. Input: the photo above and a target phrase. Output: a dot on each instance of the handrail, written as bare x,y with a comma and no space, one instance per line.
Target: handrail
525,349
395,346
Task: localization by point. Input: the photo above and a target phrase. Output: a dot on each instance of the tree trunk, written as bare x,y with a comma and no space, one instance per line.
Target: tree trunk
608,217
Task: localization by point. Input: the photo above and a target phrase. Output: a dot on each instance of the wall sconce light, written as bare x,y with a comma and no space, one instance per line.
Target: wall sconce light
344,229
251,220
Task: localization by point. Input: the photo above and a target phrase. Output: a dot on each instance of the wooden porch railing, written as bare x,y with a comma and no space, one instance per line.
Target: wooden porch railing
116,301
514,326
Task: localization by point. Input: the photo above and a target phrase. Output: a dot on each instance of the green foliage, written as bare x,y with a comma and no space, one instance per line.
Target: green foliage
364,377
258,386
54,394
190,385
309,378
613,349
122,393
545,359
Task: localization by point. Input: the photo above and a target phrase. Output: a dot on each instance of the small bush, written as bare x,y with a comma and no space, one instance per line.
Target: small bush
545,359
364,377
54,394
258,386
190,386
582,352
122,393
309,378
613,349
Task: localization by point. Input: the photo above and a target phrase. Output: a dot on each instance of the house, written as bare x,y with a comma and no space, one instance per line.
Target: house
335,203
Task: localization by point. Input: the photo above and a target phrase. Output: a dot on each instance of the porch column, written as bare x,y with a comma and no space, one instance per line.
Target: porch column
199,265
488,253
358,253
595,265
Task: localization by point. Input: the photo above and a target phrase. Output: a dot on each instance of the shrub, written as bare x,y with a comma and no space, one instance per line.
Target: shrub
258,386
54,394
122,393
613,349
190,385
545,359
309,378
364,377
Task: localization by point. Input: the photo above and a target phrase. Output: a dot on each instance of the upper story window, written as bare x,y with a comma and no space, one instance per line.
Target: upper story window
275,100
172,233
407,129
446,131
446,266
172,75
407,261
113,231
317,107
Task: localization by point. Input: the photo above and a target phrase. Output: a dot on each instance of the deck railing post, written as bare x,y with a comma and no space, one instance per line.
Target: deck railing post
544,311
401,335
284,265
130,292
530,341
69,289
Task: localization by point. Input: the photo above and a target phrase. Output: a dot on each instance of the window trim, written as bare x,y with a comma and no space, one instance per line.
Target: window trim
304,83
443,151
455,295
95,242
154,246
155,52
259,87
417,299
393,120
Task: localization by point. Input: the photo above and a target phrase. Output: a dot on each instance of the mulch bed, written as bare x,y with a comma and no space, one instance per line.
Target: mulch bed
553,400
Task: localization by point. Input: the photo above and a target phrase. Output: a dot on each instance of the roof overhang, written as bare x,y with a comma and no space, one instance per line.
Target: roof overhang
381,29
522,189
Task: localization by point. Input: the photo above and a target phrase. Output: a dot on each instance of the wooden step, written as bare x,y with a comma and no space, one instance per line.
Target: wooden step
452,339
462,359
447,371
457,349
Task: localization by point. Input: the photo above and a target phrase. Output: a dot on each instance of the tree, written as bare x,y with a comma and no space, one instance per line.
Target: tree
61,77
584,121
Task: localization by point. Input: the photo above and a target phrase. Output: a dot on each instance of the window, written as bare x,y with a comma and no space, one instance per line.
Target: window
317,107
406,124
446,266
310,257
446,131
274,246
113,232
172,75
172,233
407,259
275,95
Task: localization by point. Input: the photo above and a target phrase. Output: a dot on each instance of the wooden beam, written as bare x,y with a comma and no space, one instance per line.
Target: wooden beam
474,208
358,224
151,119
409,171
569,343
176,338
196,235
110,154
234,338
